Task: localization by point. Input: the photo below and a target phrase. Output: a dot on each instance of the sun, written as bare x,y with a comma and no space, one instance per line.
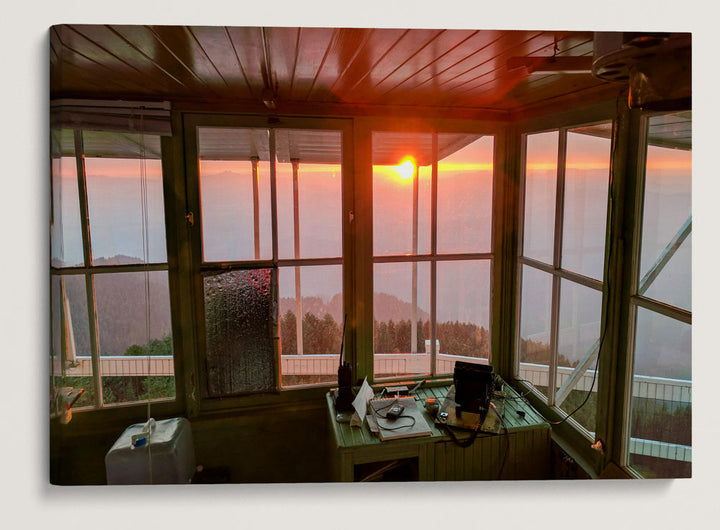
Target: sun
406,168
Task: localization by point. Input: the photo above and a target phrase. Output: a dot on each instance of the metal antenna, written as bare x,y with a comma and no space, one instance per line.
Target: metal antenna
342,341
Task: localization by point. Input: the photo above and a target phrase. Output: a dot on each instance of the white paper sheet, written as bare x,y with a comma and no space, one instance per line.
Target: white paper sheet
360,404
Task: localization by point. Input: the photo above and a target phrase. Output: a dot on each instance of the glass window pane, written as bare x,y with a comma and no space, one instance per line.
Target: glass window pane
535,325
666,252
71,338
540,192
587,171
235,201
465,189
671,281
578,341
239,329
317,296
463,313
402,175
66,234
394,311
661,404
120,191
133,320
309,191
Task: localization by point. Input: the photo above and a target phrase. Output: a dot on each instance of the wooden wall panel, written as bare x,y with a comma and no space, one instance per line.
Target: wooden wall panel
528,458
262,446
267,446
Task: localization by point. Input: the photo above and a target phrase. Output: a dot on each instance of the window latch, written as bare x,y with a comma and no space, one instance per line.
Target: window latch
190,219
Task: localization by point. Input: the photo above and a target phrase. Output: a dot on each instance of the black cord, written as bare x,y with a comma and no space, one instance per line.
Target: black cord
399,426
608,276
607,282
465,443
507,442
376,413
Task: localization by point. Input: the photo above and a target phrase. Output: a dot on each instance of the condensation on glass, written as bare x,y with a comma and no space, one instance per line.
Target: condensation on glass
535,325
125,198
402,175
541,154
309,193
464,193
587,177
240,311
463,313
395,309
234,169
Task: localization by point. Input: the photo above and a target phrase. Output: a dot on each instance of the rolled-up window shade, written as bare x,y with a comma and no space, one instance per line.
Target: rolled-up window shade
129,119
119,116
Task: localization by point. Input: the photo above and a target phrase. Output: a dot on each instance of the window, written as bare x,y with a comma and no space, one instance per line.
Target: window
110,299
432,247
270,202
659,434
564,209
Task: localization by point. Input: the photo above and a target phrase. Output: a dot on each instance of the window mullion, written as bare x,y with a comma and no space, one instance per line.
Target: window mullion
557,261
560,198
82,199
273,198
667,310
274,223
296,238
433,252
414,266
89,279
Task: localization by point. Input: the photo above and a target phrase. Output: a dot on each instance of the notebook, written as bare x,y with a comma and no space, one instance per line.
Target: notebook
411,422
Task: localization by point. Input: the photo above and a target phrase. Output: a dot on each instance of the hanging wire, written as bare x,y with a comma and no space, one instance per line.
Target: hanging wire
146,260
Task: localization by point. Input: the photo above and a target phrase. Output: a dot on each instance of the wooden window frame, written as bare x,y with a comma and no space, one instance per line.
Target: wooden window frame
195,371
636,300
555,269
123,410
433,257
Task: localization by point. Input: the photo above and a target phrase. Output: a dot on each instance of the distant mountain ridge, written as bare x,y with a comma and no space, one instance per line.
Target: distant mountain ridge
386,307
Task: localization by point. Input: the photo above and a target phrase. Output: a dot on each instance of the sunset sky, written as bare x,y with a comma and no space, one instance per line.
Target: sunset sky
464,205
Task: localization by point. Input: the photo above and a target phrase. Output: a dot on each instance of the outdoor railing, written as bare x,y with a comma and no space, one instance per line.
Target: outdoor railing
661,388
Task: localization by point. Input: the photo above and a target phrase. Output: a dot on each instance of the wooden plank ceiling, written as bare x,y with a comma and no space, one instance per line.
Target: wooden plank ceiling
456,69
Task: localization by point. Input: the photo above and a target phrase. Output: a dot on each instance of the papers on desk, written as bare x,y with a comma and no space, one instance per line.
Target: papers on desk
410,424
360,404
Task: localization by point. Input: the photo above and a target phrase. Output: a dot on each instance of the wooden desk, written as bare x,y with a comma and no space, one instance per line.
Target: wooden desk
360,454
